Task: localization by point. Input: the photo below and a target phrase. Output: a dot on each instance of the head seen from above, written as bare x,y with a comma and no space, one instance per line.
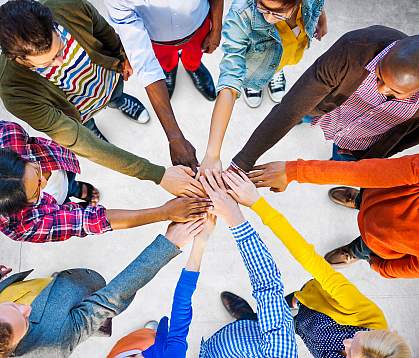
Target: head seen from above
377,344
277,10
398,72
14,323
21,182
28,34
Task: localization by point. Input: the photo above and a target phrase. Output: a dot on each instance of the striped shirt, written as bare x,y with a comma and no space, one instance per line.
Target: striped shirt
272,335
86,85
366,115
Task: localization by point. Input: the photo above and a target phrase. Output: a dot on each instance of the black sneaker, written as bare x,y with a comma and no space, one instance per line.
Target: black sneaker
171,80
133,108
203,82
91,124
276,87
252,98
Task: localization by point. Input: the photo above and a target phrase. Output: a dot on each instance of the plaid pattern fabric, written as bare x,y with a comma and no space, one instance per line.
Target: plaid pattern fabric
47,221
273,334
366,115
49,154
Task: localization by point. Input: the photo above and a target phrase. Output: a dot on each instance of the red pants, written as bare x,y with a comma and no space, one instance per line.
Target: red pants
191,51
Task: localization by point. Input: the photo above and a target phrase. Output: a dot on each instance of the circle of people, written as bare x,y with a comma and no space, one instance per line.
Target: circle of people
61,62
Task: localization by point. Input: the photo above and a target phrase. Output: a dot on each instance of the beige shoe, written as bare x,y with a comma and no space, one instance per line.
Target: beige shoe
343,195
340,257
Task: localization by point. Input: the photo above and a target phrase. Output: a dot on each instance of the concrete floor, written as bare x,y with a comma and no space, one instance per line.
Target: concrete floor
306,206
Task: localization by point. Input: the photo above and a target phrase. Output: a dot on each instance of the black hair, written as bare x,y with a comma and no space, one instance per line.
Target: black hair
26,28
12,191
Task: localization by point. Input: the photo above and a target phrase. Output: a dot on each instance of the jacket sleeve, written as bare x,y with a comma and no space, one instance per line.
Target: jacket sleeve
104,32
367,173
70,133
235,44
406,267
313,86
137,43
114,298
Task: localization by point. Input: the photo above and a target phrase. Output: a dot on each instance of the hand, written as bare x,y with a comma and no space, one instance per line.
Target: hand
179,181
321,28
181,234
212,41
183,153
210,163
273,175
186,209
126,69
224,204
4,271
241,188
208,228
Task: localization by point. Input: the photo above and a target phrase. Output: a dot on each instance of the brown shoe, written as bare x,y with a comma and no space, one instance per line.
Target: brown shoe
342,256
235,305
343,195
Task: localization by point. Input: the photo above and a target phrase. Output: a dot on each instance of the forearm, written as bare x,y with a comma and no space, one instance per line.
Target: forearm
368,173
406,267
221,115
216,14
195,258
125,219
159,98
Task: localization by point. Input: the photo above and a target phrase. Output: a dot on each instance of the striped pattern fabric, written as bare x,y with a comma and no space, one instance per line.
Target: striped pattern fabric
272,335
366,115
87,85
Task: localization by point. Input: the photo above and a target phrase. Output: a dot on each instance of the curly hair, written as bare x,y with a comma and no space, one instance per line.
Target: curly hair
26,28
6,336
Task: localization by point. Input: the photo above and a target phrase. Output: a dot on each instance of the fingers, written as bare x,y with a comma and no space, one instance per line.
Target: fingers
260,167
211,180
261,184
192,226
187,170
229,182
219,180
206,186
235,178
233,195
244,177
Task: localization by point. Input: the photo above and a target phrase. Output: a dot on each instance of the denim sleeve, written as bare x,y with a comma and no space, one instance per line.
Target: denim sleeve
236,42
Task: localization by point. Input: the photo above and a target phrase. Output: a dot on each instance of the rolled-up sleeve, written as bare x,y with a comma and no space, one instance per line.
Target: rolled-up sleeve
135,39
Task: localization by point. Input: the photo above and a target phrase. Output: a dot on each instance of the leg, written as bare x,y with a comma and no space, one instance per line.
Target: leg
91,124
127,104
191,58
168,57
342,155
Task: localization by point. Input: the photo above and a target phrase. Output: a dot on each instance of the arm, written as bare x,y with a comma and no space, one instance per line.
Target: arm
114,298
406,267
313,86
213,38
232,74
274,318
138,47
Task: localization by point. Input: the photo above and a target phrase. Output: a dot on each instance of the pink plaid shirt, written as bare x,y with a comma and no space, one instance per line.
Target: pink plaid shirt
366,115
47,221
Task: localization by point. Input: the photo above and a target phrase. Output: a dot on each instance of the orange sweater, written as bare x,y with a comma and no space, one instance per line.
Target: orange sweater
389,215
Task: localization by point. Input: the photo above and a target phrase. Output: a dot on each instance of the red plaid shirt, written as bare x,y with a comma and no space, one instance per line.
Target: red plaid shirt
366,115
47,221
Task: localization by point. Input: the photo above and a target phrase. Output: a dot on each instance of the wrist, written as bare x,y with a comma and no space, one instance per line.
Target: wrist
163,213
175,138
235,219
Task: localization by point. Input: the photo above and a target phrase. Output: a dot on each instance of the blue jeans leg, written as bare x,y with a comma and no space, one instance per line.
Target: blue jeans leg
342,157
73,186
360,250
116,98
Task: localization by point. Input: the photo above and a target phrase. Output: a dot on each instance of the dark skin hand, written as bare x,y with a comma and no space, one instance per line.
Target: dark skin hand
182,151
212,41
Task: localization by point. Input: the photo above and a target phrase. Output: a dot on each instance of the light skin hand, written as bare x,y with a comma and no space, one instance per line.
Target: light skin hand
224,204
241,188
272,175
186,209
321,28
181,234
4,271
180,181
209,163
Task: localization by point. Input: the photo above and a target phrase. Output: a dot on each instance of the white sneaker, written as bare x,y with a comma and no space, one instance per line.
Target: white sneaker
276,87
252,98
152,325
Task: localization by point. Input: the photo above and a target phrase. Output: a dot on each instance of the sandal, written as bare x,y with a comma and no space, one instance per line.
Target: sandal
89,190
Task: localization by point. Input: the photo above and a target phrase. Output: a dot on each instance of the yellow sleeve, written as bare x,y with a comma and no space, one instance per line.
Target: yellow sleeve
334,283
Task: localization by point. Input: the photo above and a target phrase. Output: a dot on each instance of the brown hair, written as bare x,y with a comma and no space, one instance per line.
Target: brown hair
384,344
6,336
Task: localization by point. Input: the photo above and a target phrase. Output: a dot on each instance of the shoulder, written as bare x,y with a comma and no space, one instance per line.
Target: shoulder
241,7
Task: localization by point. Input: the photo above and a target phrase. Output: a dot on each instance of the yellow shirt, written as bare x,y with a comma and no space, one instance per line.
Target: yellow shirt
329,292
24,292
292,46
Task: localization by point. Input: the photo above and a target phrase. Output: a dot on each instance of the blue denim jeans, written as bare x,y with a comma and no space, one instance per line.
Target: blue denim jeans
73,186
339,155
360,249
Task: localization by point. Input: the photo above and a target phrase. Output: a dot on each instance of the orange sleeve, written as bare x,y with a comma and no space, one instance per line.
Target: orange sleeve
406,267
367,173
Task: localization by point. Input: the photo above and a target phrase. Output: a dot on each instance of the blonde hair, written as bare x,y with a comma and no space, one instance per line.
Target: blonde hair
384,344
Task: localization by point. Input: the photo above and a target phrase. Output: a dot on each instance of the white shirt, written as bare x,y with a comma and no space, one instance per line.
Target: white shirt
140,21
57,185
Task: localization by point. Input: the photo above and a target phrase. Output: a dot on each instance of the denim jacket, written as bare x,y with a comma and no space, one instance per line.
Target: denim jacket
252,46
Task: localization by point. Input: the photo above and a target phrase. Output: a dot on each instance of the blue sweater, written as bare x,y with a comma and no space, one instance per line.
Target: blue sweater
172,343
